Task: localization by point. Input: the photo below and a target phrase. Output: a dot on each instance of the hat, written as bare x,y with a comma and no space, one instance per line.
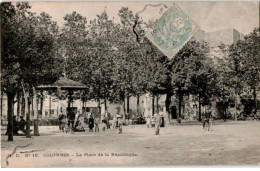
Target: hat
118,116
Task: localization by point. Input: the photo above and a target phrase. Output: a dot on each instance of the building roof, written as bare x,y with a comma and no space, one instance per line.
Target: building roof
64,83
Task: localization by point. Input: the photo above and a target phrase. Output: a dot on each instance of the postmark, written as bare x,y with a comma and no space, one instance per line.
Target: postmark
173,29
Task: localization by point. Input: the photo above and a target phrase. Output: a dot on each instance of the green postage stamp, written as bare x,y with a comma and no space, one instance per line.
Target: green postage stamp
173,29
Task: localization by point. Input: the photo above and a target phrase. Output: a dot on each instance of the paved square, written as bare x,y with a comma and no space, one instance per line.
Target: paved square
228,143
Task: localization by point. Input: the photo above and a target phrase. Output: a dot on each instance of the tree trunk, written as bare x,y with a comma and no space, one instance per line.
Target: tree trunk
137,104
223,98
179,113
27,113
236,98
235,107
32,106
199,109
18,106
84,105
124,110
225,111
99,94
35,102
41,105
255,101
128,104
10,110
153,105
99,107
1,107
49,106
168,101
105,102
157,103
180,102
223,108
69,102
23,106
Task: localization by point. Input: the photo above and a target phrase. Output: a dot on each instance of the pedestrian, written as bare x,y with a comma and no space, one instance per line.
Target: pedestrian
153,122
103,125
76,117
91,123
120,125
148,121
22,124
79,124
114,122
96,122
71,120
107,117
61,117
64,125
161,114
207,122
133,121
157,123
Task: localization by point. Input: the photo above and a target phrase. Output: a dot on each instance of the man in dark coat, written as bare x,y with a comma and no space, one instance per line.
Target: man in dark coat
91,123
22,124
71,118
61,116
107,118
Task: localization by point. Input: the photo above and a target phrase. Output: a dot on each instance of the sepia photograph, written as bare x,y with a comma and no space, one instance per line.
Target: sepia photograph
130,84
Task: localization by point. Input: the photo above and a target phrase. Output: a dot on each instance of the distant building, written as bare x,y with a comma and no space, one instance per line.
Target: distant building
52,107
215,38
3,107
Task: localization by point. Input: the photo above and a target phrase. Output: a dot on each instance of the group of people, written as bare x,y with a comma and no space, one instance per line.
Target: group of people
17,126
94,123
73,122
156,122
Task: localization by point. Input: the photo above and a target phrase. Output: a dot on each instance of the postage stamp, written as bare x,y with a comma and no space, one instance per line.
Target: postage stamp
173,29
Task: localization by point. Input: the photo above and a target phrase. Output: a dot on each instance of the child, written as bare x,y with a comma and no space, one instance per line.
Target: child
96,120
148,122
64,125
104,124
153,122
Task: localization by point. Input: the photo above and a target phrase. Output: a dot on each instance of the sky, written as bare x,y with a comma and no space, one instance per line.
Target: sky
210,16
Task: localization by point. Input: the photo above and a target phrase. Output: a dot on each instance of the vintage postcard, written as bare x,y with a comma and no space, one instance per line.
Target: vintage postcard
130,84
